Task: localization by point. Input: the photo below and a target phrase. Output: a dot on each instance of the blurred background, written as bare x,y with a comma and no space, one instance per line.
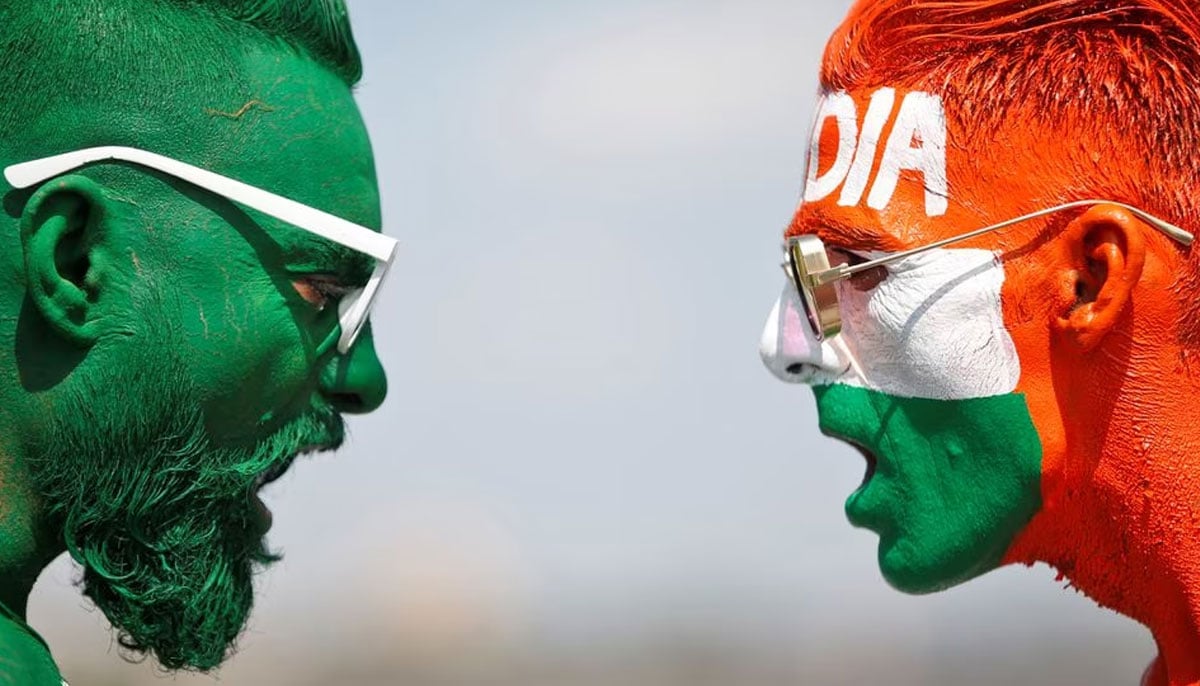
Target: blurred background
583,476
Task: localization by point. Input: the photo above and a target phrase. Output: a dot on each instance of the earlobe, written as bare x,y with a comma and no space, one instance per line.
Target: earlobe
59,230
1106,252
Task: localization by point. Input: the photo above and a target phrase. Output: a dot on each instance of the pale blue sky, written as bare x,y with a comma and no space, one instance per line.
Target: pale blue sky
580,446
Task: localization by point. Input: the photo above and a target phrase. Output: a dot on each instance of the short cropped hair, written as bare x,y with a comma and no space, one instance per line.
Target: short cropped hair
320,27
131,72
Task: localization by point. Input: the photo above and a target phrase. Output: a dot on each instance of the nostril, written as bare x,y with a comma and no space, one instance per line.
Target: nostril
346,402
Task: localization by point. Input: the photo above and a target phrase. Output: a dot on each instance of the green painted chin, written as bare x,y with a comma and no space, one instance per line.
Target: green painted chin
954,481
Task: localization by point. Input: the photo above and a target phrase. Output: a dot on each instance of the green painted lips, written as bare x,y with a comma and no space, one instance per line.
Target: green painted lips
953,481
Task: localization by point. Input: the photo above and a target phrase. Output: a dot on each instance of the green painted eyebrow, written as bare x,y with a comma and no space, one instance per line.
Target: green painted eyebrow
352,267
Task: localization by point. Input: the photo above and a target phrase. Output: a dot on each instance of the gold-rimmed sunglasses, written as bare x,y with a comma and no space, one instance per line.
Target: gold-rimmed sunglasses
808,265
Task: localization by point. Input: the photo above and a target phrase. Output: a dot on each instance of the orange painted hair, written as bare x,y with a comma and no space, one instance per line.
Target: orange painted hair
1001,34
1120,78
1116,62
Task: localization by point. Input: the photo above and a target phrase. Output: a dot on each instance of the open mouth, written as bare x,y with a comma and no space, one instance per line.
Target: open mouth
872,463
872,460
272,474
277,470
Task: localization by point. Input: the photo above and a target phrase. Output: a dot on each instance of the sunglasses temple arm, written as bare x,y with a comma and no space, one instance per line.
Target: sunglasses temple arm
1170,230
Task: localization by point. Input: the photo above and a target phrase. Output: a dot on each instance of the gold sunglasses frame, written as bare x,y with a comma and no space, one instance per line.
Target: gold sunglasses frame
807,262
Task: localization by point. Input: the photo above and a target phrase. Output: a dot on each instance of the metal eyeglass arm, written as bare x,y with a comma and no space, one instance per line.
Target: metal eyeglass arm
840,272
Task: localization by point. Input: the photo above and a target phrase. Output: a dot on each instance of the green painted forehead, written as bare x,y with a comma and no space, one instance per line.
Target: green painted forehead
293,128
297,132
288,126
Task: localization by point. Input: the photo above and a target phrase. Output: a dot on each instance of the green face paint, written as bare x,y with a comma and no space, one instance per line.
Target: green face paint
250,338
167,343
954,481
168,531
26,660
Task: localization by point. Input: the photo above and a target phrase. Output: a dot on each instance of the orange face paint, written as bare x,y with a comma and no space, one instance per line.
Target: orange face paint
1043,105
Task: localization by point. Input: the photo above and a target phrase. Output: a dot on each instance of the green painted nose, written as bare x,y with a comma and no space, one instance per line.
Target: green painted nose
355,383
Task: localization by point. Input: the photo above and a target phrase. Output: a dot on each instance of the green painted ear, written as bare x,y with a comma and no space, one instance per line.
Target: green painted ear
60,232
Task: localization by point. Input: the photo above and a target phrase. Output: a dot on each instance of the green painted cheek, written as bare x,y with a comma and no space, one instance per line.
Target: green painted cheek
245,346
955,481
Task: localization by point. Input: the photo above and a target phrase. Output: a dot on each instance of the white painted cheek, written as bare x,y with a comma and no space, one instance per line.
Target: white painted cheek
790,349
934,328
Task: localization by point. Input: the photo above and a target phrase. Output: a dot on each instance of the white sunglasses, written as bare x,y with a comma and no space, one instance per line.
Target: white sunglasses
353,308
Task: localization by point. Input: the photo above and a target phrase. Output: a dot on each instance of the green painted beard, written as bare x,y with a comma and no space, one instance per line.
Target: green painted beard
162,520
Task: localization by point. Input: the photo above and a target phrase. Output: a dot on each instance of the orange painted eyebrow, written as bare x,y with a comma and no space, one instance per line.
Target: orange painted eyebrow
839,233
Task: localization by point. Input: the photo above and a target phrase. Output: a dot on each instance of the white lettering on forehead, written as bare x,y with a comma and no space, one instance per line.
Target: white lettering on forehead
878,113
917,143
839,106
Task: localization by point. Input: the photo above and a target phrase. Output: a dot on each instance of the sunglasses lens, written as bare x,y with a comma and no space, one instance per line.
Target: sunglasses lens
351,316
355,307
809,258
800,281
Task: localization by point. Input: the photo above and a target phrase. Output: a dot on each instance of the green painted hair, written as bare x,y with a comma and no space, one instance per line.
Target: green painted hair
320,27
137,72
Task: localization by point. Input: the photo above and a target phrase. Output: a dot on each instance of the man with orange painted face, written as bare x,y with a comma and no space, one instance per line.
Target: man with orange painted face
993,292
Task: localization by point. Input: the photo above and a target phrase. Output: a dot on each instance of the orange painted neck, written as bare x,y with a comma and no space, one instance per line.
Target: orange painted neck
1121,519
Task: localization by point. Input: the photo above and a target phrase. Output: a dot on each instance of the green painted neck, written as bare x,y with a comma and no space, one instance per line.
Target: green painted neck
25,546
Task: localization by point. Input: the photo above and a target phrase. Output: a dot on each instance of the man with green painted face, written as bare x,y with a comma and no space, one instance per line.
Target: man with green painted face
185,276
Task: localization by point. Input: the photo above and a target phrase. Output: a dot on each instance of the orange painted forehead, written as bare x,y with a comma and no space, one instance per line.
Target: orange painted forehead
888,171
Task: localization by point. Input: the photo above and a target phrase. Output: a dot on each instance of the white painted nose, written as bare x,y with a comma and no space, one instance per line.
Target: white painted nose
790,348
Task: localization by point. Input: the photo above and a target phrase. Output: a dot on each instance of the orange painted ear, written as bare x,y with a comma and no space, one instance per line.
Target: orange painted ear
1106,251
